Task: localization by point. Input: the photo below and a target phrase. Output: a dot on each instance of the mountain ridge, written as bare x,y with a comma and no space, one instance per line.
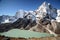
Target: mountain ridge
42,11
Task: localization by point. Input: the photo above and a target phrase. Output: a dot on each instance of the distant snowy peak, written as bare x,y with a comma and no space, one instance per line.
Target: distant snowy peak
7,19
19,14
25,14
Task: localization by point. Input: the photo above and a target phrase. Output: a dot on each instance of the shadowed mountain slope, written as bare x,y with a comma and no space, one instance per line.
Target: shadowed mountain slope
20,23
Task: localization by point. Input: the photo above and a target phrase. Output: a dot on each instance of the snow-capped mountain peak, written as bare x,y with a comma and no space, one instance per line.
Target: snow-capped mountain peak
46,9
43,6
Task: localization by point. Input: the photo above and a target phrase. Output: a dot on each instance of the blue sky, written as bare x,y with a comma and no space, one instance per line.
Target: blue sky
10,7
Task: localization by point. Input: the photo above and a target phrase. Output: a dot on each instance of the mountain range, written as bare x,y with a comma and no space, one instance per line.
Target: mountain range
45,10
45,18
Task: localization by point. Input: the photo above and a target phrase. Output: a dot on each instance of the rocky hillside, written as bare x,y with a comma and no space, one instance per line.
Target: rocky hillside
21,23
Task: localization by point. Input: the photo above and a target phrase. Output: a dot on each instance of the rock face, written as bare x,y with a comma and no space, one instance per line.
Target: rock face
21,23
